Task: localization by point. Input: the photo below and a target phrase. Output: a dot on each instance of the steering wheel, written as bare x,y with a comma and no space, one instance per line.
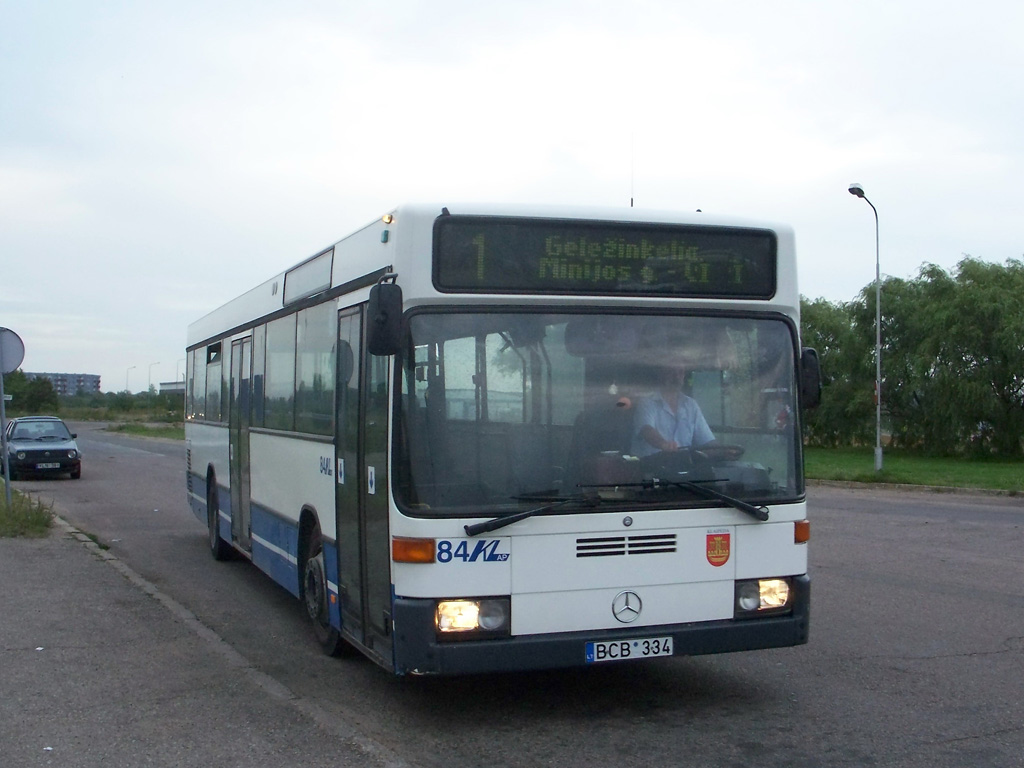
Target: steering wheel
667,463
722,451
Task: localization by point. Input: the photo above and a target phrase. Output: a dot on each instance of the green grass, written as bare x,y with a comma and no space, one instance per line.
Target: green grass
72,412
858,465
171,431
25,516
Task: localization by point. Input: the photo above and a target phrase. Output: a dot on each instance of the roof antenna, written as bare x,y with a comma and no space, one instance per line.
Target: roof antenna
632,166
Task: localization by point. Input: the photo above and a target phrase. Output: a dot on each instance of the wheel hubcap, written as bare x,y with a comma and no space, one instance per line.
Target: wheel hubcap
316,597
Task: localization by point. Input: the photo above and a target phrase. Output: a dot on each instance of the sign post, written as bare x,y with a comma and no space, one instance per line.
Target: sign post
12,353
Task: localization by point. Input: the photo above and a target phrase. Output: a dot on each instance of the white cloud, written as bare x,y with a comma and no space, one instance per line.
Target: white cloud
156,160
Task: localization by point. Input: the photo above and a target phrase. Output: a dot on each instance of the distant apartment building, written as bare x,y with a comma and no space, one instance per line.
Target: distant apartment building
70,383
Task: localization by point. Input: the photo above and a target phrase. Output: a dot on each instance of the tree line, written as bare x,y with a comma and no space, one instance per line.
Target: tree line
952,362
36,396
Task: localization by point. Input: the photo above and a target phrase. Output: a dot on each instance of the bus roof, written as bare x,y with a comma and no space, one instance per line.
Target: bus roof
400,241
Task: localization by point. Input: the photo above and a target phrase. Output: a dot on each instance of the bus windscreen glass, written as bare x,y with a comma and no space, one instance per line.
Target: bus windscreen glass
563,256
502,410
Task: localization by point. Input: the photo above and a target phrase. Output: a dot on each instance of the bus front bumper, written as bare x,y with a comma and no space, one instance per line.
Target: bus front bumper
417,651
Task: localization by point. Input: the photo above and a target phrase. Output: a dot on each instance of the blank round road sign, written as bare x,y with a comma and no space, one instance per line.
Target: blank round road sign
12,350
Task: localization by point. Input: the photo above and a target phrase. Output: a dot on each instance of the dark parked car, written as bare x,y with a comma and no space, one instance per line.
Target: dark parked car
42,445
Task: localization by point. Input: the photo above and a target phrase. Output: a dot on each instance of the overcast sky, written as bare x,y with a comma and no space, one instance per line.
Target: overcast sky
159,158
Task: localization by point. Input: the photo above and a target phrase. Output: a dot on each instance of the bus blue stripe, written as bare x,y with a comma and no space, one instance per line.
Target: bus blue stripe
275,546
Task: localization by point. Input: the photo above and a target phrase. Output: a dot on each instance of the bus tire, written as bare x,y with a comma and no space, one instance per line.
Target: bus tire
315,598
219,548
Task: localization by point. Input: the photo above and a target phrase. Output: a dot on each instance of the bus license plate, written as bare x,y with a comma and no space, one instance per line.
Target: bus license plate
619,650
48,466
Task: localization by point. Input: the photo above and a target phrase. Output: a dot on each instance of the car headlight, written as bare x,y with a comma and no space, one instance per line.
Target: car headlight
475,618
757,597
72,454
21,455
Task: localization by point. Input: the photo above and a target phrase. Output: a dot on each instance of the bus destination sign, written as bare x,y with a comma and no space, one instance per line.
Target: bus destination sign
511,255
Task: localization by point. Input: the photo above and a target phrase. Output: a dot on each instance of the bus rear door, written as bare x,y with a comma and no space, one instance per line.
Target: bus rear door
239,420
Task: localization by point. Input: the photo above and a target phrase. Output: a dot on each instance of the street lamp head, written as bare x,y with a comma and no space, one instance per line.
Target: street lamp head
857,190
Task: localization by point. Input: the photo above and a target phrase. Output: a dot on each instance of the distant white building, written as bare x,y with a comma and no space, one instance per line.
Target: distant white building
172,387
69,383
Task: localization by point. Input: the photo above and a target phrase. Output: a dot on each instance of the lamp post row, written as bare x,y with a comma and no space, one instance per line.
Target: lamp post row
132,367
858,191
150,381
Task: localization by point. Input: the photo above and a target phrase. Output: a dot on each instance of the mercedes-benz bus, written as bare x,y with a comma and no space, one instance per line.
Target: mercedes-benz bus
434,434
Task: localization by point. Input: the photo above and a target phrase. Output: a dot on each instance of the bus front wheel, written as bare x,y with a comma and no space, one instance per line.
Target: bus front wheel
314,596
218,547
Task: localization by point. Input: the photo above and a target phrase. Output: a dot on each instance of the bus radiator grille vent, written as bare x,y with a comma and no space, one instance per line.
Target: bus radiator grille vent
608,546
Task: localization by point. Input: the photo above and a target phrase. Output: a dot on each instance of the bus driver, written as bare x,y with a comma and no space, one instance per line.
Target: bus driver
669,419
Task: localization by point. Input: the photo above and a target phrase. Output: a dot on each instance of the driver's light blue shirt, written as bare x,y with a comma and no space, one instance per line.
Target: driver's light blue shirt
687,427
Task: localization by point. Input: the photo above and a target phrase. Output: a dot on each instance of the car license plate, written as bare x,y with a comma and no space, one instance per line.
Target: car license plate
638,648
51,465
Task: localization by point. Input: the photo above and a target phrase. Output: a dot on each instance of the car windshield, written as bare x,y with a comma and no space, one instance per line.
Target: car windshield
40,430
500,410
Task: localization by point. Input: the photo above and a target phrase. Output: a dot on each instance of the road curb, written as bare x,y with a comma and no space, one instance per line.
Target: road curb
334,724
911,488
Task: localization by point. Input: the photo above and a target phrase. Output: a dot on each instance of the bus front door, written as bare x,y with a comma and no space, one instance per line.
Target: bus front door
239,419
364,556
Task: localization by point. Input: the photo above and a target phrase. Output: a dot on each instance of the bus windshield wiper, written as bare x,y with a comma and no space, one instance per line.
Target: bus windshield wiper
758,513
501,522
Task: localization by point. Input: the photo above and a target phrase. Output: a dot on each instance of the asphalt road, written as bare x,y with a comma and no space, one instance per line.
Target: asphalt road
916,655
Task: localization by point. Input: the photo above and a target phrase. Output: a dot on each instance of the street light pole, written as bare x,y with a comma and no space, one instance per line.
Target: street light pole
858,191
126,379
150,385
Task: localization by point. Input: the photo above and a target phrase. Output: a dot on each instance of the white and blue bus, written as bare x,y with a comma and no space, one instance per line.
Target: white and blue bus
432,433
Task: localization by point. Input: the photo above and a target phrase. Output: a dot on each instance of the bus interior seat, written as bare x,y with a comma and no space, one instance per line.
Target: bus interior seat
603,428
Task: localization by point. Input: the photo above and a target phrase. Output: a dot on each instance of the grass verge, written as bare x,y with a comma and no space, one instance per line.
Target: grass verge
171,431
25,516
858,465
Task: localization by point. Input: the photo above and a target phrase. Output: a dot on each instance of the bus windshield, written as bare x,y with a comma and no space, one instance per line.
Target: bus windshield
501,409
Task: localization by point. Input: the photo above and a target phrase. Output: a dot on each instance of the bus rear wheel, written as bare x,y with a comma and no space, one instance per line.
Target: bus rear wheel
315,598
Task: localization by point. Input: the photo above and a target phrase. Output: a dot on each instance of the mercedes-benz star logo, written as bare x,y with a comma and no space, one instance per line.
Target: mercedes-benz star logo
626,606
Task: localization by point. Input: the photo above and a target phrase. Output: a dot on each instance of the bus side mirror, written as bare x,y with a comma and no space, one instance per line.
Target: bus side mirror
810,378
385,319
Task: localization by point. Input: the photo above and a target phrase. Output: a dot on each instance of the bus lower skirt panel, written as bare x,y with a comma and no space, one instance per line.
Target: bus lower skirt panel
418,652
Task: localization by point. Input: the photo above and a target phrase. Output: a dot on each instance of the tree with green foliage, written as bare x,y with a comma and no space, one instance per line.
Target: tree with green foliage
952,361
905,370
844,415
16,385
979,339
41,397
121,401
30,396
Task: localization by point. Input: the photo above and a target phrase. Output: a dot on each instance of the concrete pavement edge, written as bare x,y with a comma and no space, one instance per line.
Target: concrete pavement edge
336,726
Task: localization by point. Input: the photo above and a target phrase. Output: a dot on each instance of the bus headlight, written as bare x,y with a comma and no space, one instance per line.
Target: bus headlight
475,618
762,596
